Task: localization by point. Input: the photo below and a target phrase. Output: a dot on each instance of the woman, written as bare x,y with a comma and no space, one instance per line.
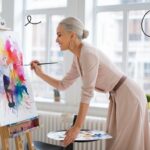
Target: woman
127,119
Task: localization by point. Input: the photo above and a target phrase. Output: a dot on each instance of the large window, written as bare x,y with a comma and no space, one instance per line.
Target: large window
40,42
117,32
115,28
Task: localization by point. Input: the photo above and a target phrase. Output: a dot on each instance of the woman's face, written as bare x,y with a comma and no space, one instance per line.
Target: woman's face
63,37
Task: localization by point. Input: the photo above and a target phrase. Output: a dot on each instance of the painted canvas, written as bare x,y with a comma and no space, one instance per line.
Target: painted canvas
16,98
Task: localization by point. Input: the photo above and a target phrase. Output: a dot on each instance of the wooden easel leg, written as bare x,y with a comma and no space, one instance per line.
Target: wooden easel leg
29,139
5,144
19,144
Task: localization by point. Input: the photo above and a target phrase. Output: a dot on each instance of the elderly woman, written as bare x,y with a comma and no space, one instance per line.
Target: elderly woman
127,119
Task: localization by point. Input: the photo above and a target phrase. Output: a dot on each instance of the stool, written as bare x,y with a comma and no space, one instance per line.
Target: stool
38,145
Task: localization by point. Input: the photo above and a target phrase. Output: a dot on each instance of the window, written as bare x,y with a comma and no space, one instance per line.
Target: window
138,47
40,42
115,28
117,32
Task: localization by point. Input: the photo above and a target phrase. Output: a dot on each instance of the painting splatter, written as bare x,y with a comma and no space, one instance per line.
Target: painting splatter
16,97
13,82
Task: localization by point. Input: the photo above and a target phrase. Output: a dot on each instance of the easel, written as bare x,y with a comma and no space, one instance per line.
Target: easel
15,131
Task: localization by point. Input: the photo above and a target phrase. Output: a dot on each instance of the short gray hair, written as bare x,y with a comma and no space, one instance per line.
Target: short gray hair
75,25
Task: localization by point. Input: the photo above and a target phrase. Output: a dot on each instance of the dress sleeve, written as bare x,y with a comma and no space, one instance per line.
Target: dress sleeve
89,65
70,77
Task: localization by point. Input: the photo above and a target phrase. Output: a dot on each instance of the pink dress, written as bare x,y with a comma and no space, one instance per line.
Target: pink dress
127,119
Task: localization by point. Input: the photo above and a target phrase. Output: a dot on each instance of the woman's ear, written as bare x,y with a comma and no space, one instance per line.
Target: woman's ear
72,40
73,35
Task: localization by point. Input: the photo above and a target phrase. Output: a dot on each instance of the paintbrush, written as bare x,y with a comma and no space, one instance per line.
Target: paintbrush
45,63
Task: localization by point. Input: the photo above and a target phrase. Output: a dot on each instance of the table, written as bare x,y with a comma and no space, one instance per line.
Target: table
83,136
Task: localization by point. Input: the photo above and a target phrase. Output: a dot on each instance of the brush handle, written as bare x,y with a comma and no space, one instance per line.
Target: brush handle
42,63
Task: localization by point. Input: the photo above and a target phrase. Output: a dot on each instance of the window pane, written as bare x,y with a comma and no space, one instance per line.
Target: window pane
0,6
35,49
55,19
113,2
35,38
109,35
139,53
40,4
55,53
109,40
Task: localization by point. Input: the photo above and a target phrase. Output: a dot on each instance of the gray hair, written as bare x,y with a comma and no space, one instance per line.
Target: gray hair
75,25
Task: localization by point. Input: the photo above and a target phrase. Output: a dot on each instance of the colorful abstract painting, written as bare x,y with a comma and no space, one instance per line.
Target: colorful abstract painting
16,98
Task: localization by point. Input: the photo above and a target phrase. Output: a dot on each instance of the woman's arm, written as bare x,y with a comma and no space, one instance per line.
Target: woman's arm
50,80
63,84
73,131
83,109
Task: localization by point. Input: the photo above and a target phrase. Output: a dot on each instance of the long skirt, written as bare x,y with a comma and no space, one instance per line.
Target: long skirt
127,119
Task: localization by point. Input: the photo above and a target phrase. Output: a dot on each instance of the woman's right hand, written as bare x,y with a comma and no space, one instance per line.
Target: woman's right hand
36,67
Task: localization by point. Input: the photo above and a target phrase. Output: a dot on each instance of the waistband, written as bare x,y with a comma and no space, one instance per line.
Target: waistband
119,83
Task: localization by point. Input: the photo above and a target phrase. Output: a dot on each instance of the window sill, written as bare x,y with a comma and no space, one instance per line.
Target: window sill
45,100
44,104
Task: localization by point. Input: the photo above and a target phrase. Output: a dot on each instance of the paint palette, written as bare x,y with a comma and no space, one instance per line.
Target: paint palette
84,135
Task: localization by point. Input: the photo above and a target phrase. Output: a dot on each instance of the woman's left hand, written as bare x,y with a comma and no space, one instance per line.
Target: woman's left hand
71,135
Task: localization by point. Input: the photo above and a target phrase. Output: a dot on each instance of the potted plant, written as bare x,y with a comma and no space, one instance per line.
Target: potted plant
148,100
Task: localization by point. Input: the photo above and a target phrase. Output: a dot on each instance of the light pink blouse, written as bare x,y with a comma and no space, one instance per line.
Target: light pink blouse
96,71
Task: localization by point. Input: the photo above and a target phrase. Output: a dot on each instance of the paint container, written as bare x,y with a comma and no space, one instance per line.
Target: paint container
56,95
